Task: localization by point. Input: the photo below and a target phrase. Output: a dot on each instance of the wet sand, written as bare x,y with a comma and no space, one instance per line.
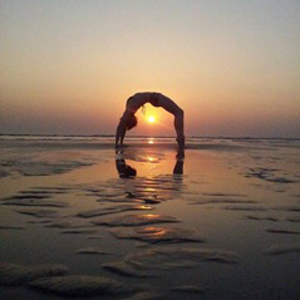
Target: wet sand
222,223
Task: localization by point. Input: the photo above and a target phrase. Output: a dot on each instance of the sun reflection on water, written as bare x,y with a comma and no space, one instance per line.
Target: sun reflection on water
151,141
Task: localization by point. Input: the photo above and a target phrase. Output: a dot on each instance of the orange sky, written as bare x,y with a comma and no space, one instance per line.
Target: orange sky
68,67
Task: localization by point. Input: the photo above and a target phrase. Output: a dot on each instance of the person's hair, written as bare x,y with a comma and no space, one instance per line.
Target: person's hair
131,122
130,172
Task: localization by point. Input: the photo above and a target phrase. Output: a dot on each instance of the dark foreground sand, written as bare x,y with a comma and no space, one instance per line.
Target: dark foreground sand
224,223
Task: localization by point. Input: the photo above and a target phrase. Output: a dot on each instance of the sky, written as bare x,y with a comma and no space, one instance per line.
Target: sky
67,67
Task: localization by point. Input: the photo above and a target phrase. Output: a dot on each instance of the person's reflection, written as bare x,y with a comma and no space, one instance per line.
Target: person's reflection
150,189
124,170
178,169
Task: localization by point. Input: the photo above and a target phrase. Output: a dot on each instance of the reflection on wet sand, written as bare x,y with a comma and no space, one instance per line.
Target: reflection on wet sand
217,230
126,171
151,189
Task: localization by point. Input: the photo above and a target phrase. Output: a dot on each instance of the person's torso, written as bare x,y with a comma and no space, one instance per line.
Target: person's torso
139,99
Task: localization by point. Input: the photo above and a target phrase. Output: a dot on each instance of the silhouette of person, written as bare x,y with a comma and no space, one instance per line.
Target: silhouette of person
129,120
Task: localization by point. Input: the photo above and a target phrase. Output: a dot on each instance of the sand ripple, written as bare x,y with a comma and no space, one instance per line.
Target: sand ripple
283,249
38,213
222,200
245,208
295,219
135,220
112,210
268,174
91,250
11,227
158,234
79,231
147,296
45,168
145,262
79,285
37,202
26,196
262,218
282,231
14,274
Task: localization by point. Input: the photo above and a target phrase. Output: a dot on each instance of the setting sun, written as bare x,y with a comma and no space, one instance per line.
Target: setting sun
151,119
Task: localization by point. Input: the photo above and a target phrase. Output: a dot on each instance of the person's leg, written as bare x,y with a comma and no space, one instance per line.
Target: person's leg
179,127
170,106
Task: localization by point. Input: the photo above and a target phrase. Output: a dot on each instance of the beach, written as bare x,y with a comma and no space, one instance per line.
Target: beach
222,222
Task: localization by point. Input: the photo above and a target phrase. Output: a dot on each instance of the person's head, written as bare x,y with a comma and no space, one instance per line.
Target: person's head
130,172
124,170
131,122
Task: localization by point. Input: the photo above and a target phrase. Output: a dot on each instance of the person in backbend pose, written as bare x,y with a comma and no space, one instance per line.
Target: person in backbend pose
129,120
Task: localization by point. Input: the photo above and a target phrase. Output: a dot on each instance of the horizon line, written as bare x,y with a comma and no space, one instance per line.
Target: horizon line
144,136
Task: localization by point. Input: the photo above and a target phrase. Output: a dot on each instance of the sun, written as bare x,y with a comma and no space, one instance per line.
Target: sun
151,119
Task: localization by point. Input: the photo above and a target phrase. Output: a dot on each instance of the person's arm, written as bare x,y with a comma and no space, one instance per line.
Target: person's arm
121,129
120,133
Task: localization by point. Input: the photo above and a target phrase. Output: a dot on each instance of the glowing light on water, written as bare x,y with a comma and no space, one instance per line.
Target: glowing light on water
151,141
